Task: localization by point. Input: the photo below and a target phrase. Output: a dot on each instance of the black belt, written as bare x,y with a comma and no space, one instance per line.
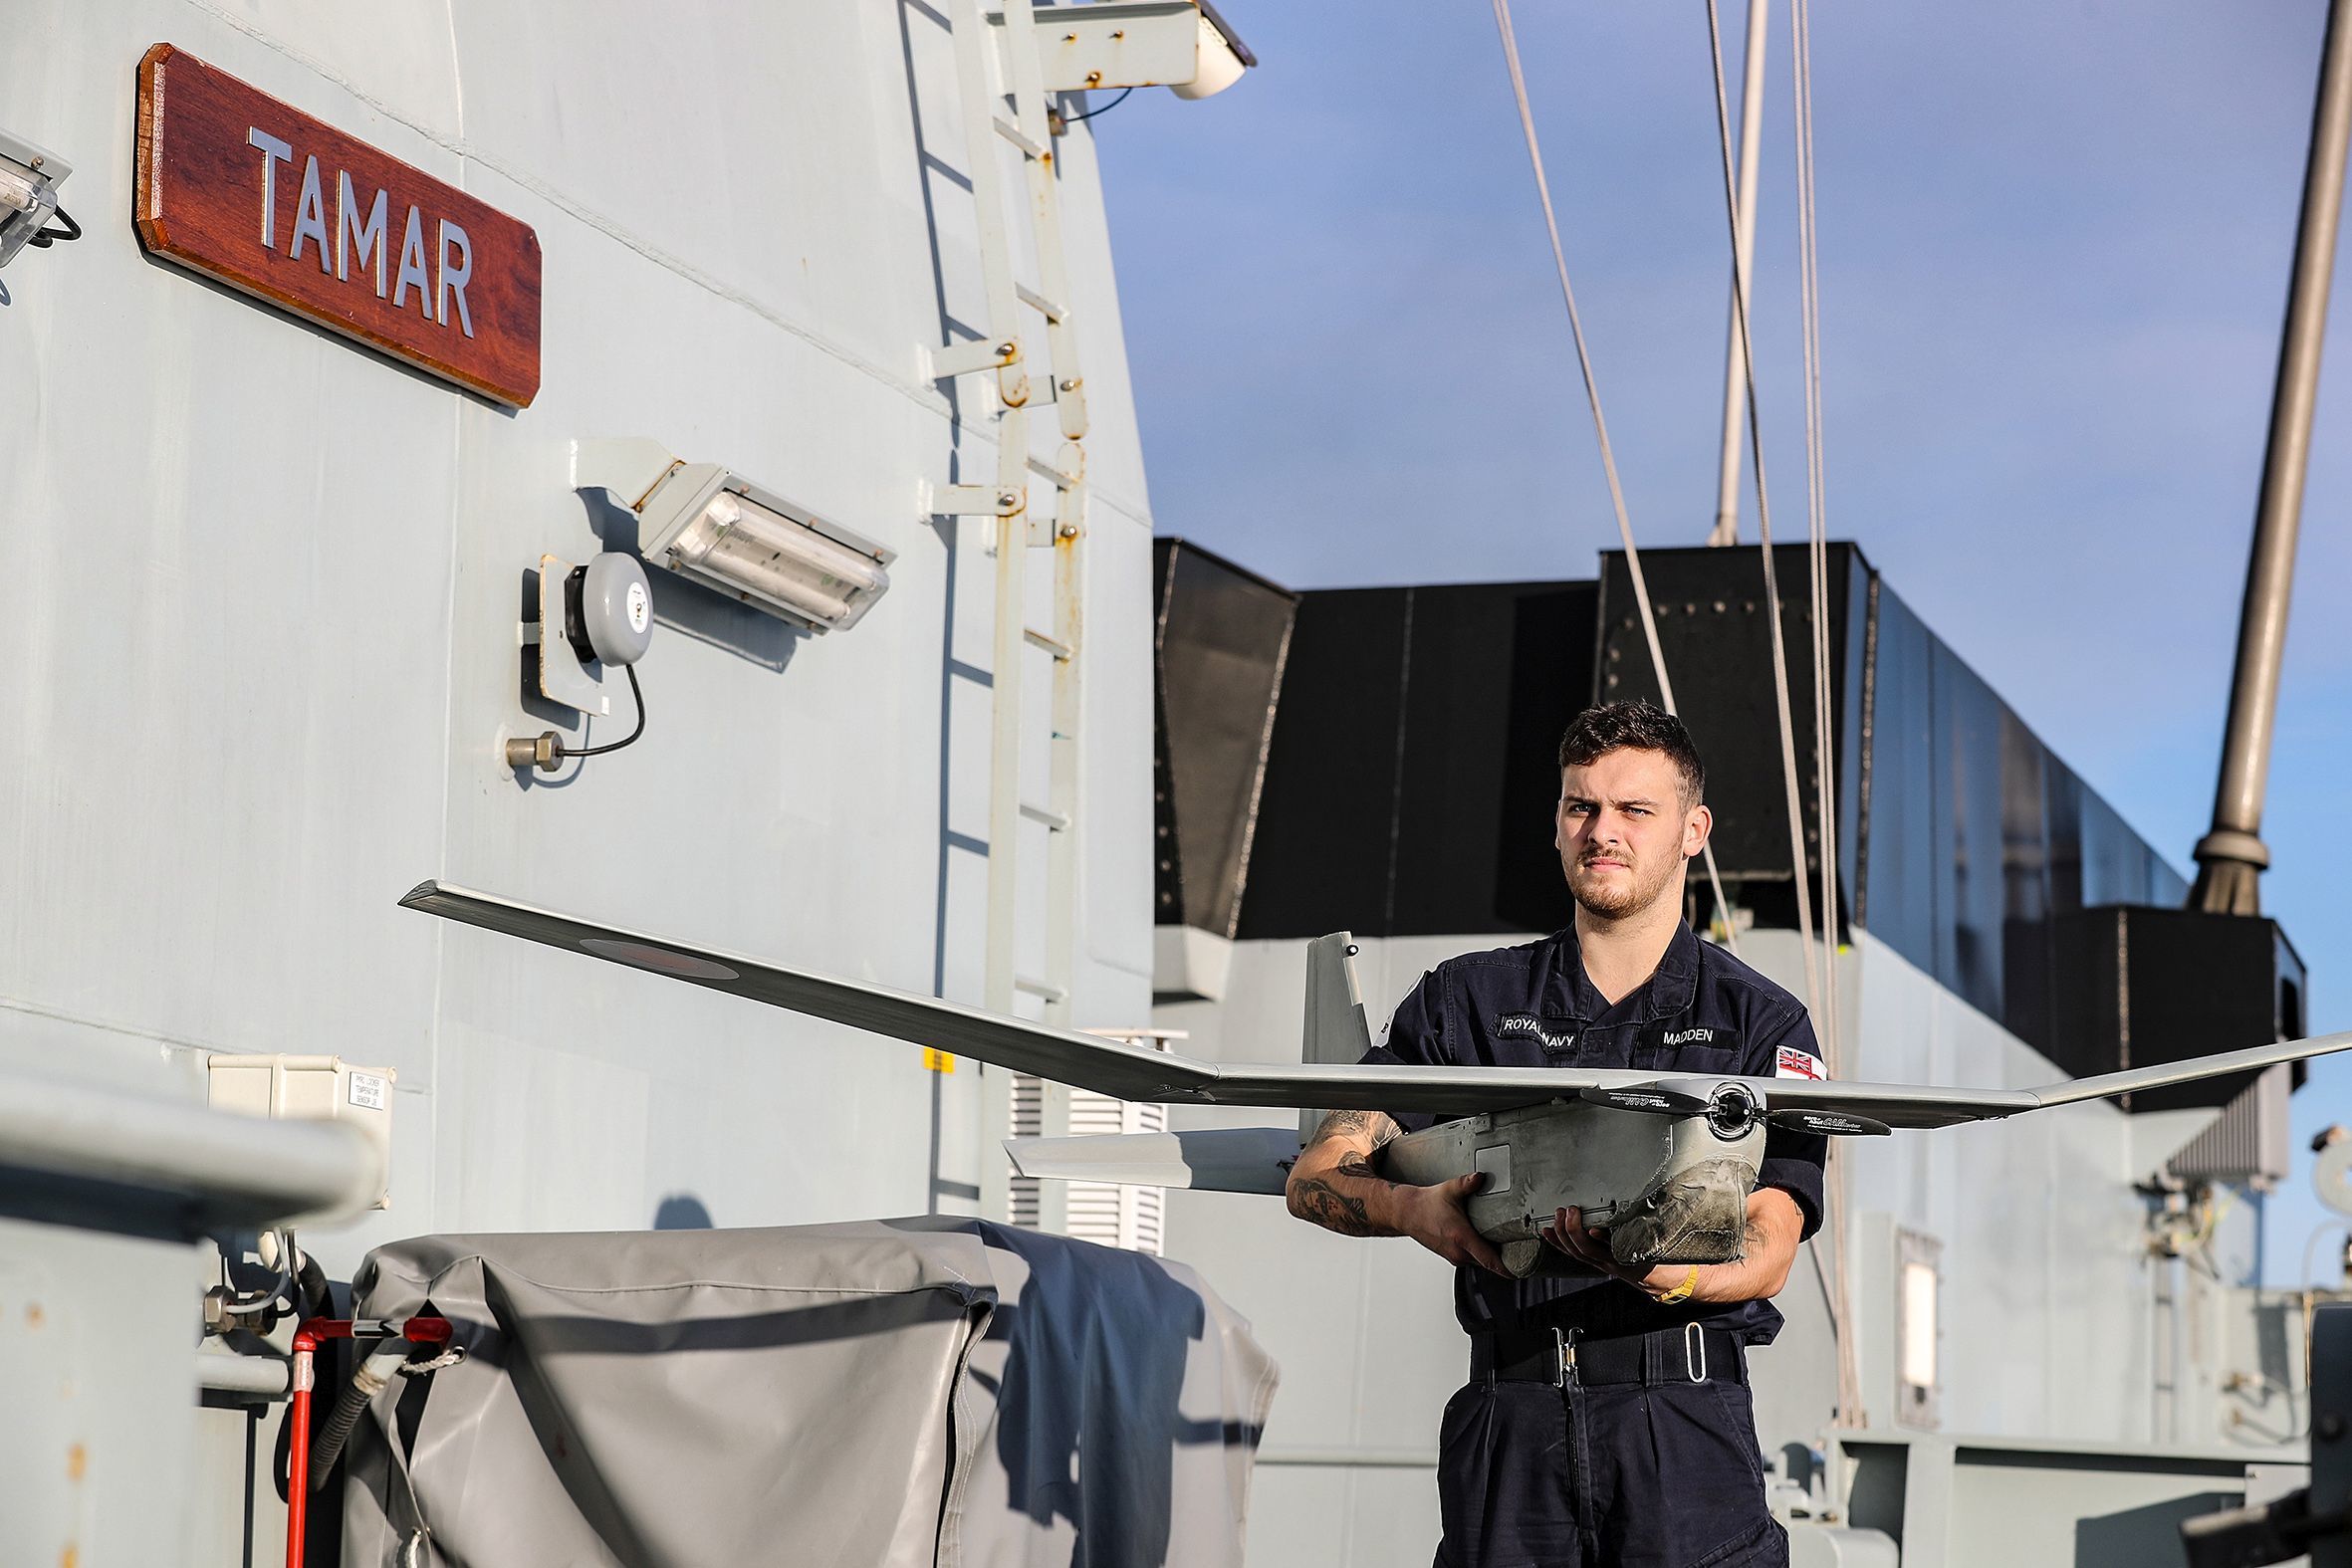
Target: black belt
1693,1353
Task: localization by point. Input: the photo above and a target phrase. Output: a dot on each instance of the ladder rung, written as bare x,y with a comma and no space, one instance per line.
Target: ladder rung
1052,995
1053,309
1045,470
1019,137
1052,646
975,500
986,354
1058,822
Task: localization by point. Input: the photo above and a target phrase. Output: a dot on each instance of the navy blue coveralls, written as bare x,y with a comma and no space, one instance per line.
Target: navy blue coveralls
1643,1455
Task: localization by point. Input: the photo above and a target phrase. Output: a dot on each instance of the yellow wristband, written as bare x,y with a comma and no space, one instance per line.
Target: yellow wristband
1682,1292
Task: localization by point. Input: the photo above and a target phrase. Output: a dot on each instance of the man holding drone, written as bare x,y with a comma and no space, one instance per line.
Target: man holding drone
1606,1419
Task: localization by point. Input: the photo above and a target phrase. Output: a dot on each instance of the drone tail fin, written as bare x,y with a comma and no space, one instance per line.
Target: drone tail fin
1338,1033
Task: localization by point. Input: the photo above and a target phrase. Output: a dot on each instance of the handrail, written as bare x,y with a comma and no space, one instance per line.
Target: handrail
105,1149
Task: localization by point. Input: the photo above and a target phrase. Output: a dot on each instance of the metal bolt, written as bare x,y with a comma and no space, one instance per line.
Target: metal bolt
1070,385
546,752
1006,351
1068,530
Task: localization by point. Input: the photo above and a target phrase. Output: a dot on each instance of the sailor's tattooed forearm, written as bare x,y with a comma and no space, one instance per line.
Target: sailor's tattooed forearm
1318,1200
1374,1125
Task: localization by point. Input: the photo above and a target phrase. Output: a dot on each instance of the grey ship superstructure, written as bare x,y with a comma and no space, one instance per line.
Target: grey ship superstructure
288,630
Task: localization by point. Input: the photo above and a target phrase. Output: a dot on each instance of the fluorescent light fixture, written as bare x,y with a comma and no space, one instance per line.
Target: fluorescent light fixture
1181,45
29,177
710,524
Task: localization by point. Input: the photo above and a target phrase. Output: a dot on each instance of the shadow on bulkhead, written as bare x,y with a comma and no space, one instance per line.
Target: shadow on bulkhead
682,1211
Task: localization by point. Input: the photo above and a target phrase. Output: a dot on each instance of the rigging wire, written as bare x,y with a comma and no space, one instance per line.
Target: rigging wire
1600,425
1763,523
1820,987
1839,1172
1817,519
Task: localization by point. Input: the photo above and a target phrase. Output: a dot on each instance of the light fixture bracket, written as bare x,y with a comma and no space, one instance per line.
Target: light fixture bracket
1181,45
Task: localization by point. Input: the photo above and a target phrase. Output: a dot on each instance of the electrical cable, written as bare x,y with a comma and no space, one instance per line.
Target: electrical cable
1072,120
267,1298
2303,1274
43,237
1600,425
637,694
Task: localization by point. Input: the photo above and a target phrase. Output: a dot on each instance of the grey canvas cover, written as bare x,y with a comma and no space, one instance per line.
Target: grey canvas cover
905,1391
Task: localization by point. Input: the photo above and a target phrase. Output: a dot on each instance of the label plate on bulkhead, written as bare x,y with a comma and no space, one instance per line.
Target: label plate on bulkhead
248,190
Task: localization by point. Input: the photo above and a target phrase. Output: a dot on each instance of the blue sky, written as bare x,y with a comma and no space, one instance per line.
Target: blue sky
2054,243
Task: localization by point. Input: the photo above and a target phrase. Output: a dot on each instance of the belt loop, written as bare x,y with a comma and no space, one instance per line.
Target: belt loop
1694,1351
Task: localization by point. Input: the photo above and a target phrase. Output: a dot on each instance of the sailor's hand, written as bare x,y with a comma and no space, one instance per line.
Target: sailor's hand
1573,1235
1435,1217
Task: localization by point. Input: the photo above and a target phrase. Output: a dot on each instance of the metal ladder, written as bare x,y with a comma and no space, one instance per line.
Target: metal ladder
984,53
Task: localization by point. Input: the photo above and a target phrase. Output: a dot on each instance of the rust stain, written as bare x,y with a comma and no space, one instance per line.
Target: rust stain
72,1557
34,1317
76,1461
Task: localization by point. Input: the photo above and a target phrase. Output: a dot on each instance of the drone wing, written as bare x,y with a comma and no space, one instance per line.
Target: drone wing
1131,1072
1112,1067
1925,1105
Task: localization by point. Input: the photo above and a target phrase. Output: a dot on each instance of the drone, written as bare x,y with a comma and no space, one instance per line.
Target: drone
1661,1163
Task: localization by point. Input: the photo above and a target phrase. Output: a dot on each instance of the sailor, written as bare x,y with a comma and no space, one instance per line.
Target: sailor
1606,1419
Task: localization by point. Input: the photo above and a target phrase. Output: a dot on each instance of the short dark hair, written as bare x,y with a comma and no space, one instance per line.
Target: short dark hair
1635,726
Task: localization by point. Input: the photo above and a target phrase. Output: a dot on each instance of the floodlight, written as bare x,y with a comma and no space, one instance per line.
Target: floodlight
1220,55
28,178
1181,45
712,524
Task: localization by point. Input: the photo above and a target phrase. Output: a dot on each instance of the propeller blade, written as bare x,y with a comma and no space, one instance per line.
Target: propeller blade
1653,1102
1827,1124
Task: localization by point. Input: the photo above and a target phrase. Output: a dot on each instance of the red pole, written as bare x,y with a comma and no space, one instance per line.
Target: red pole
417,1330
297,1443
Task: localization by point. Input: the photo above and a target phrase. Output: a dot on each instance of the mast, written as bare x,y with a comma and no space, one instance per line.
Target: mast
1734,381
2230,858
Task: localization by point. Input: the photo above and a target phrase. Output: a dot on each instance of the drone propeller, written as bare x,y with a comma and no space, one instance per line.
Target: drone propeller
1831,1124
1653,1102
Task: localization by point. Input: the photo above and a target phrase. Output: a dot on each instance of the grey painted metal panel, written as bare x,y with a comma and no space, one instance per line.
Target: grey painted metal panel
1964,1503
762,303
269,586
96,1451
